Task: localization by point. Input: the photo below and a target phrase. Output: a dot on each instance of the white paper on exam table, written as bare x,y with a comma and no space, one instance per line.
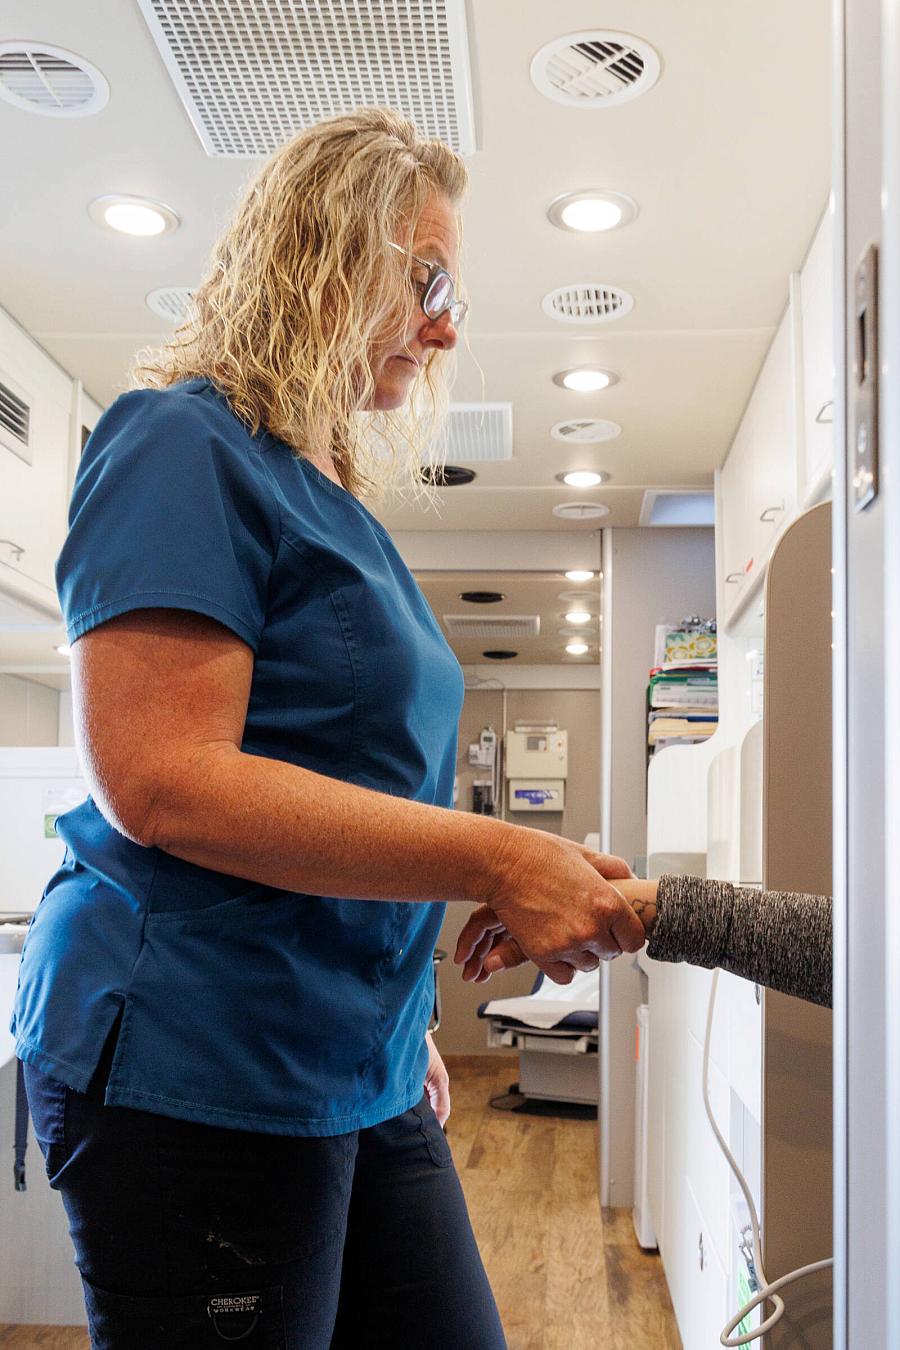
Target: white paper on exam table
552,1002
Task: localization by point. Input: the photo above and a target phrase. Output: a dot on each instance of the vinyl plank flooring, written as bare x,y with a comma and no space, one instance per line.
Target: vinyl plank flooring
43,1338
565,1275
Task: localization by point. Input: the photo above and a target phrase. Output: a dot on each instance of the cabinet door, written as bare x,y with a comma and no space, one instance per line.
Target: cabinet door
33,477
700,1288
817,298
759,476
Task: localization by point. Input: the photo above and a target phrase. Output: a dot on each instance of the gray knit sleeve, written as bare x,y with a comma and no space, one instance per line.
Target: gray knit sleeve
778,939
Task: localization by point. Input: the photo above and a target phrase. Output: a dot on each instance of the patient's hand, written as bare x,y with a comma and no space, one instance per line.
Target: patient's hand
485,946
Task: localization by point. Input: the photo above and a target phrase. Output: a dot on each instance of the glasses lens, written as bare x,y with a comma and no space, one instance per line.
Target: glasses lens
439,296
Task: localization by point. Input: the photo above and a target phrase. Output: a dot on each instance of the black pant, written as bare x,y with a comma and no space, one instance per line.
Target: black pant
190,1236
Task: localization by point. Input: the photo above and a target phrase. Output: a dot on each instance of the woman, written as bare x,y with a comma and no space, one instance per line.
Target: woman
225,989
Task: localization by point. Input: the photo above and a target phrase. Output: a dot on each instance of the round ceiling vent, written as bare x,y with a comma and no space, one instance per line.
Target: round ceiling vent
170,302
582,597
50,80
580,510
585,431
499,656
587,302
482,597
595,68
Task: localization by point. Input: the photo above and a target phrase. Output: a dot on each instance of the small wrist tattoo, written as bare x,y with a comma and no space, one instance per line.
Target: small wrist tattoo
646,912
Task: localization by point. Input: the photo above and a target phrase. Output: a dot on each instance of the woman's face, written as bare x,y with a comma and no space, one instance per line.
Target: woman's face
396,363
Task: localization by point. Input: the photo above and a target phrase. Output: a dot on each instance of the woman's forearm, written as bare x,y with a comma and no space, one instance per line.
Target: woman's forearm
778,939
285,826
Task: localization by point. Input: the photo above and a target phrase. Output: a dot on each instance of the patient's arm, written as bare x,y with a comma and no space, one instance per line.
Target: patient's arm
779,939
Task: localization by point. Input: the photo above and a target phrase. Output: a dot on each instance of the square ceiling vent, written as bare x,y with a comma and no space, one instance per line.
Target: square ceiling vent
475,431
251,75
502,626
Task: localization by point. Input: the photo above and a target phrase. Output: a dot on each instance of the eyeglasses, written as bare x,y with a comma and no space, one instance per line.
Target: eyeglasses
436,291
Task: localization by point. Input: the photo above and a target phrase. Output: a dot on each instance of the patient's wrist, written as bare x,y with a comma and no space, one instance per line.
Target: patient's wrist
641,895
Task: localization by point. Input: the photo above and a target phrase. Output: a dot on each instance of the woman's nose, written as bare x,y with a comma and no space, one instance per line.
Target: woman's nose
439,332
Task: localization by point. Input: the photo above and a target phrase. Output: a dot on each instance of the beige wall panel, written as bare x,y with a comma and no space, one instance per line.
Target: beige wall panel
29,712
797,856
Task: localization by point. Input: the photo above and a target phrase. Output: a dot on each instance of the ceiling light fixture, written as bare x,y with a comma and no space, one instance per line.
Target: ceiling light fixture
590,211
585,379
579,575
578,616
582,478
133,215
576,648
64,650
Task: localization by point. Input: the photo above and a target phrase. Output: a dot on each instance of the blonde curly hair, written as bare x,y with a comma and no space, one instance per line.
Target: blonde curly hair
300,286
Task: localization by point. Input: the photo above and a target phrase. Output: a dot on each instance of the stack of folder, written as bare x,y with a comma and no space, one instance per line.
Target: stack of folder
682,703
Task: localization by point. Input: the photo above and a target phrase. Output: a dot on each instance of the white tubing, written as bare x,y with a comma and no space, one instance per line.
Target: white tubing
767,1292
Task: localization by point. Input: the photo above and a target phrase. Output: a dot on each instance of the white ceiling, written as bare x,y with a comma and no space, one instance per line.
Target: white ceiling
728,158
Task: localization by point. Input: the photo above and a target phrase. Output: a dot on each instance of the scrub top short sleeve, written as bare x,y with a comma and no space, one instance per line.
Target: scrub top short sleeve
168,511
239,1003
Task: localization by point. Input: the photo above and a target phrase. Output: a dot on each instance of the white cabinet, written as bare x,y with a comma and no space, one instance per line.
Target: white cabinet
34,467
758,479
782,456
817,300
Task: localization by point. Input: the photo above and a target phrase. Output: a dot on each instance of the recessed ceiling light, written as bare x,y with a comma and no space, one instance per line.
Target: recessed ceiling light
582,478
585,379
64,650
576,648
579,576
578,616
133,215
589,211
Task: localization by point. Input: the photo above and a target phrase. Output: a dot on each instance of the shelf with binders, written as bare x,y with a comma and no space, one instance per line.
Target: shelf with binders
682,695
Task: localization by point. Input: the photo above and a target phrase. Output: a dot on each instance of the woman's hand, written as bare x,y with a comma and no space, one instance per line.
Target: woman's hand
437,1082
486,946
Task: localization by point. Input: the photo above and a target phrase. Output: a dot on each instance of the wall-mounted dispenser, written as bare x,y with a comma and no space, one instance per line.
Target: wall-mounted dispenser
537,765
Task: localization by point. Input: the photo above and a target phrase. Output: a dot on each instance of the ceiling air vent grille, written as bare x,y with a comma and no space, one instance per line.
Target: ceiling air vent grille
476,431
580,510
508,626
15,423
585,431
251,75
595,68
170,302
587,302
50,81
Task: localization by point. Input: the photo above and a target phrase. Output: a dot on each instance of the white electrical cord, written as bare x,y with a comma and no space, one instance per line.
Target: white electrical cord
766,1291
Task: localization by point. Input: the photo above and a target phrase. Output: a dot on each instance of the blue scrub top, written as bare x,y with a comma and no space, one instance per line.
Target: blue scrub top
245,1005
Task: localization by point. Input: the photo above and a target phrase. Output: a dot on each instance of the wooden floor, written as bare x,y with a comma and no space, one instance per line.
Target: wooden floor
565,1277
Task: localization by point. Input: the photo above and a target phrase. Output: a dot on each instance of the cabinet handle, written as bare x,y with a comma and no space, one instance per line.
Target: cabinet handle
734,577
16,548
824,408
768,516
700,1250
